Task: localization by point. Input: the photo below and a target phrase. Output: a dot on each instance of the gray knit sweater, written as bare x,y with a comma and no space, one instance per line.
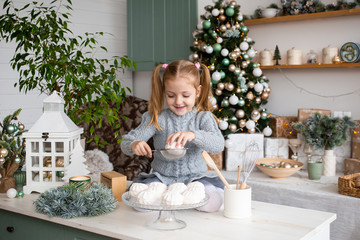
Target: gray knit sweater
190,167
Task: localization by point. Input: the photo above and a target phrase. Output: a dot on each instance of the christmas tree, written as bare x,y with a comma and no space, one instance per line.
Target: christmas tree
77,164
239,87
277,55
12,151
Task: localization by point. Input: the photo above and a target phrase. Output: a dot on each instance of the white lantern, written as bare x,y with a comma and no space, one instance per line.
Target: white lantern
49,143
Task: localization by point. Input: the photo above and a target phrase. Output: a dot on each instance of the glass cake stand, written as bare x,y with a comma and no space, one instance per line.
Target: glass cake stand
166,220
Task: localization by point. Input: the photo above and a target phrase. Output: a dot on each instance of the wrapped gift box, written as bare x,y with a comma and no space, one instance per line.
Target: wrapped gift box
116,182
244,146
305,113
218,159
355,141
276,148
351,166
282,127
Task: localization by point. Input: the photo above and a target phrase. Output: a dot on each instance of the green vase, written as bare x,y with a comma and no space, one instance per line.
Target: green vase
314,170
20,177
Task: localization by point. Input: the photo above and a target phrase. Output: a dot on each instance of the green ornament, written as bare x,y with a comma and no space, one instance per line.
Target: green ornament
254,65
233,119
214,34
244,89
217,47
244,29
17,160
237,71
241,80
205,35
222,74
241,102
11,128
225,103
206,24
246,56
264,115
225,62
230,11
20,194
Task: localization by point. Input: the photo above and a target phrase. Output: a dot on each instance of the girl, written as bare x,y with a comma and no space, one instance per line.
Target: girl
187,122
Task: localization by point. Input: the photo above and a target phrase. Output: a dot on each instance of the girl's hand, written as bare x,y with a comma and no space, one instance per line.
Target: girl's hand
141,148
181,138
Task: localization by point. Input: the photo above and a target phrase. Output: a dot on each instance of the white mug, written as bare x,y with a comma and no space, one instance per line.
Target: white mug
237,202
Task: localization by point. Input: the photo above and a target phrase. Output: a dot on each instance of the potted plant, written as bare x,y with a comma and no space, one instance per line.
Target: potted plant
326,132
49,57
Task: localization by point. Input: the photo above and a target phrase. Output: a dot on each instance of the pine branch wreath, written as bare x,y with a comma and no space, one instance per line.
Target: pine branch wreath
69,202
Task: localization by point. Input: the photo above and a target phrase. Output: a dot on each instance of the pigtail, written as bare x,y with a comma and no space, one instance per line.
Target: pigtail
205,93
156,101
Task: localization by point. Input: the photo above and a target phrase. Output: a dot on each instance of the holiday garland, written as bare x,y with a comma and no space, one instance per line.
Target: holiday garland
69,202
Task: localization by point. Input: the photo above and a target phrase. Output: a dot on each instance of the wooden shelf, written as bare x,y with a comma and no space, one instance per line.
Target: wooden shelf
301,17
319,65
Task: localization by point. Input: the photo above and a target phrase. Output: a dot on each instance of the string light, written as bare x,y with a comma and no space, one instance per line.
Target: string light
356,91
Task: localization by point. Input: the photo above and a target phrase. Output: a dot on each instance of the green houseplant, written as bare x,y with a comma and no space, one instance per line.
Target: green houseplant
49,57
326,132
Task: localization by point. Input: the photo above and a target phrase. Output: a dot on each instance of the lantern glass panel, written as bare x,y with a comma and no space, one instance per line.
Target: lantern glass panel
35,147
47,176
35,176
59,161
47,147
35,161
47,162
59,146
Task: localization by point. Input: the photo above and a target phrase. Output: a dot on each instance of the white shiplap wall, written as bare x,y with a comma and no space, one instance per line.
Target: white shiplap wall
108,16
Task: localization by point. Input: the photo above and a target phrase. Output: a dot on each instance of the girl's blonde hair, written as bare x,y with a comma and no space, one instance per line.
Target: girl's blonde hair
174,70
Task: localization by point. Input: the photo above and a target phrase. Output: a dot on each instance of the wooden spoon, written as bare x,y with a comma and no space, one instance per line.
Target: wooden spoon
238,177
210,162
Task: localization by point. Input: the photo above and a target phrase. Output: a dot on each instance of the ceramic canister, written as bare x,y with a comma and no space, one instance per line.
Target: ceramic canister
266,58
80,182
237,202
294,56
328,54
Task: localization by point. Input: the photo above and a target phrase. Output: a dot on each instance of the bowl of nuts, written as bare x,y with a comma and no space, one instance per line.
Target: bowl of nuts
278,167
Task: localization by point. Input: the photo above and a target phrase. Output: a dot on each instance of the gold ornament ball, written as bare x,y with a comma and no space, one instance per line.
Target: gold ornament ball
212,67
242,72
244,64
337,60
238,90
268,90
221,11
233,3
232,127
255,114
264,96
3,152
237,50
221,86
237,25
232,68
258,100
222,18
203,47
228,25
215,107
251,130
230,87
251,84
242,123
218,92
195,56
233,55
223,28
196,43
21,126
240,113
2,161
250,96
